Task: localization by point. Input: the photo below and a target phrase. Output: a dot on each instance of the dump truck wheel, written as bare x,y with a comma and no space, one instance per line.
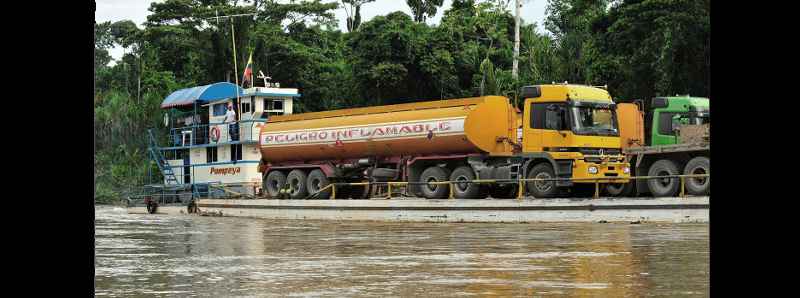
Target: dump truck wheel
698,186
503,192
619,189
297,183
273,183
152,207
435,174
542,189
663,187
465,190
316,181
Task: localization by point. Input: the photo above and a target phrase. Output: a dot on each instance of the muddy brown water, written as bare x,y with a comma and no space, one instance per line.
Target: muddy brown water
163,255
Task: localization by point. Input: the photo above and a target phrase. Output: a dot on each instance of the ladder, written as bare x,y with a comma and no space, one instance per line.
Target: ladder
158,157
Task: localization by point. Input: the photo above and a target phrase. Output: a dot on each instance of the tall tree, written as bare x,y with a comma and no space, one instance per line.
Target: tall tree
570,22
647,48
353,10
422,9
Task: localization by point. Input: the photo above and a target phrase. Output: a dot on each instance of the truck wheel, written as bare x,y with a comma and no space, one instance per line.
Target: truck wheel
435,174
508,191
542,189
316,181
273,183
358,192
699,186
663,187
297,183
465,190
619,189
152,207
583,190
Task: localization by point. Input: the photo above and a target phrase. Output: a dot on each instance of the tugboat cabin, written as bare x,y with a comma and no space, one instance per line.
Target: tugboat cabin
202,150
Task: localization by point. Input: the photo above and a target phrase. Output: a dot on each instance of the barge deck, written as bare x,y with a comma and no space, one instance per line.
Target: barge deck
674,210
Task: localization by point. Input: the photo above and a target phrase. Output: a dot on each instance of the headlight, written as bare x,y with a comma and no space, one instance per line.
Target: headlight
626,170
592,170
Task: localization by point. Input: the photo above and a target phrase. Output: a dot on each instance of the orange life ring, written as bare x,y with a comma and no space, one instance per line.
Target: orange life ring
215,134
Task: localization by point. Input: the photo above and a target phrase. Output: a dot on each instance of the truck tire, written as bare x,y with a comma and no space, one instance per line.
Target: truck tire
583,190
542,189
664,187
358,192
465,190
273,183
435,174
297,183
152,207
698,186
619,189
508,191
318,180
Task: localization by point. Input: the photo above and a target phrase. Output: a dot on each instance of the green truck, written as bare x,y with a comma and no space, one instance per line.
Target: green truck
665,136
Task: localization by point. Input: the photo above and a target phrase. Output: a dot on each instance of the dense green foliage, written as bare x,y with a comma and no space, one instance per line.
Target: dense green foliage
640,48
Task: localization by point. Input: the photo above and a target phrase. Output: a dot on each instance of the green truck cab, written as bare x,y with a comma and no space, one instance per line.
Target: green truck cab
669,113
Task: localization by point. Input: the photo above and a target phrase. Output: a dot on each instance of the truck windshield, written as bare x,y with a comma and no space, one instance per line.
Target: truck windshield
590,120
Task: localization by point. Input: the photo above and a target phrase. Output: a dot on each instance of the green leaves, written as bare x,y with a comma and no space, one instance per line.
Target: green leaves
421,9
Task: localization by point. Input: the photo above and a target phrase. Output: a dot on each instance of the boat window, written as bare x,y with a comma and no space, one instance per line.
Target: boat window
220,109
245,107
277,105
211,154
236,152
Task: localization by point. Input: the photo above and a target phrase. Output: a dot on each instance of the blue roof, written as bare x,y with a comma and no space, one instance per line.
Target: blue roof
207,93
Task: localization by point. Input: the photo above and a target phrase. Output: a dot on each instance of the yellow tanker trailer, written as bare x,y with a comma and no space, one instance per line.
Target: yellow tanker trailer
455,140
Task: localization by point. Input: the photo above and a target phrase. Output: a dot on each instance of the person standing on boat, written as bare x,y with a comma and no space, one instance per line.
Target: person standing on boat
230,118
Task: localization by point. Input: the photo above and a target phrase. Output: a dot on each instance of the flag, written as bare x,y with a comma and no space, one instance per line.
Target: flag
248,71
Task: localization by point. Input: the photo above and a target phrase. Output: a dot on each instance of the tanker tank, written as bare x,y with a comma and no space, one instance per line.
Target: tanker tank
444,127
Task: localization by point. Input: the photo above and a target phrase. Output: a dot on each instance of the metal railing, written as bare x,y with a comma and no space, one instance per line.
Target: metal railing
200,134
173,194
520,184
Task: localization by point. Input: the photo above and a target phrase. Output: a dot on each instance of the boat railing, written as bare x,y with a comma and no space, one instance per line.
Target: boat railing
215,133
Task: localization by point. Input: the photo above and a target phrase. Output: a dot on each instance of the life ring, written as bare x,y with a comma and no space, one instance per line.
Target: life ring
215,134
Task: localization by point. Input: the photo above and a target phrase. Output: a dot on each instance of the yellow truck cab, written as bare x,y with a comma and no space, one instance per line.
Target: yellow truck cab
570,131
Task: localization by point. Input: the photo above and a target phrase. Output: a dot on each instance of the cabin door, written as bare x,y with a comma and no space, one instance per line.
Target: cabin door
187,177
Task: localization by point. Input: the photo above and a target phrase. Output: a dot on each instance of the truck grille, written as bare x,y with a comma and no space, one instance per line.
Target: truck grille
596,151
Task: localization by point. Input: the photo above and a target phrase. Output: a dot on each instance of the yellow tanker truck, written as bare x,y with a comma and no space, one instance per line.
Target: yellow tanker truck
565,131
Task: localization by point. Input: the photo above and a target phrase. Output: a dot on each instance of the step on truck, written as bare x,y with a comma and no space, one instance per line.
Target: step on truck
665,136
564,131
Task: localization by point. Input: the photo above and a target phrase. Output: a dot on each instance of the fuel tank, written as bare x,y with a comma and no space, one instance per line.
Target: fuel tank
443,127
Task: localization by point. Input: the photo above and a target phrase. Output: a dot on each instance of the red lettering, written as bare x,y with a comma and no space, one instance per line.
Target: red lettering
444,125
405,129
323,135
418,128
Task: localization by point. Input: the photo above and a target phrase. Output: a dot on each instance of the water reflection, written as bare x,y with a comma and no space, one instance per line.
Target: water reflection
140,254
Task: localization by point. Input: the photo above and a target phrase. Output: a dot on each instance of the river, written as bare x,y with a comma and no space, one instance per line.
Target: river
163,255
